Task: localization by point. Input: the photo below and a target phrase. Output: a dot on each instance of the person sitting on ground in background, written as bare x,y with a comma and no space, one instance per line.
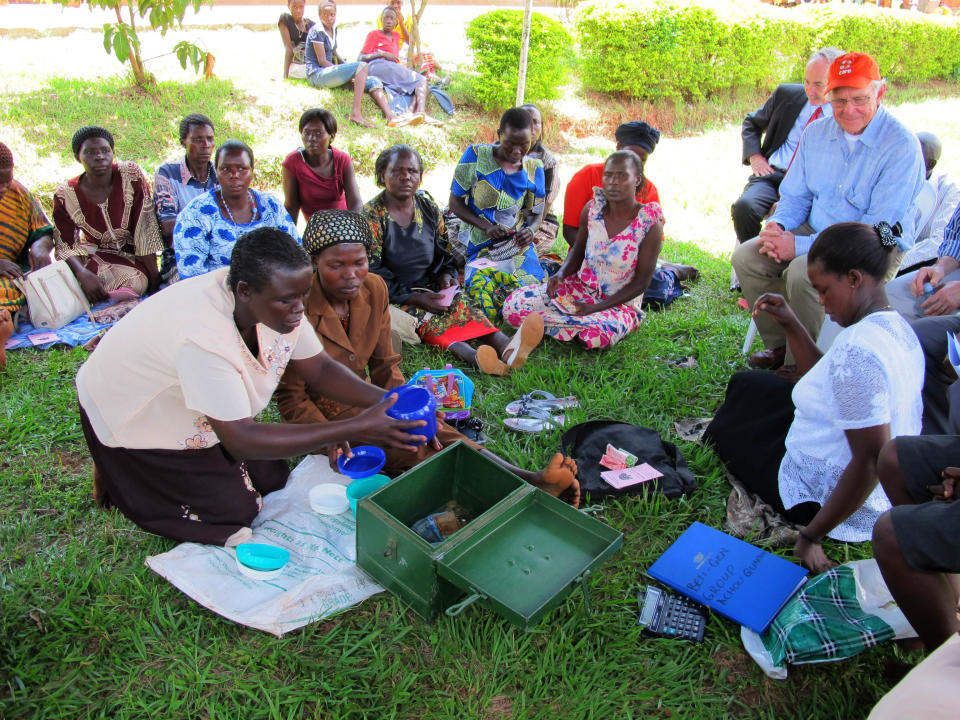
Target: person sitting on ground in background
915,543
348,308
546,235
636,136
408,252
26,242
771,136
810,450
595,296
294,28
169,396
318,176
942,232
499,192
401,26
326,70
179,182
104,223
860,165
210,224
407,89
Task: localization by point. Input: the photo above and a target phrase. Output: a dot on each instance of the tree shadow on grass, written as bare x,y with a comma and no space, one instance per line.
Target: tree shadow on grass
144,122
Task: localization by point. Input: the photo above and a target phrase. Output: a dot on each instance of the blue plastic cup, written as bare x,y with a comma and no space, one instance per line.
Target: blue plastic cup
367,460
359,489
414,403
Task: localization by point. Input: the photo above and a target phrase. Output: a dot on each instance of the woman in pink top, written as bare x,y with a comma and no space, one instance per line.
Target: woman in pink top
318,176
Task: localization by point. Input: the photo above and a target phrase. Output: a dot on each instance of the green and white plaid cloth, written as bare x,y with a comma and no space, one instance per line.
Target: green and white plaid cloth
825,621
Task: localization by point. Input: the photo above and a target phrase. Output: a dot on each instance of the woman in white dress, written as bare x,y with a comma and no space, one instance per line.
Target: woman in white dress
864,390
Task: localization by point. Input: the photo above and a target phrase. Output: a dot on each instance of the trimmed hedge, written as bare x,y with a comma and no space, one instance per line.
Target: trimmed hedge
495,40
654,51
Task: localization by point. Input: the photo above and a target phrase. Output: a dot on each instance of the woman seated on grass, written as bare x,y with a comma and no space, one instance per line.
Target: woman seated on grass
349,310
294,28
104,224
498,191
326,70
210,224
381,50
811,451
177,183
595,297
168,398
318,176
26,243
408,252
546,235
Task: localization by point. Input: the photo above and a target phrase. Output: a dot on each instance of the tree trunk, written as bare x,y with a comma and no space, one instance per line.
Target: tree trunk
415,48
138,72
524,50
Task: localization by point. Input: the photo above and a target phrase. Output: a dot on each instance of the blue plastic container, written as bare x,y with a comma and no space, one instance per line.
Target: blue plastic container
359,489
258,556
414,403
367,460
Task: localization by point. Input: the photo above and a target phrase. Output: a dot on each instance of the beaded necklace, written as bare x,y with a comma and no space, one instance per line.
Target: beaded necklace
253,207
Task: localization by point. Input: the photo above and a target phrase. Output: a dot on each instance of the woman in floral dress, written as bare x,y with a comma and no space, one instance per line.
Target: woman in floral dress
595,296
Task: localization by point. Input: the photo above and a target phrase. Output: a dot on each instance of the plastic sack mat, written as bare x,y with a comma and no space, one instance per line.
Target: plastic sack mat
835,616
321,578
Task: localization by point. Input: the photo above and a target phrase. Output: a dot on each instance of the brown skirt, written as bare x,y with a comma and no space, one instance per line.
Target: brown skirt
202,496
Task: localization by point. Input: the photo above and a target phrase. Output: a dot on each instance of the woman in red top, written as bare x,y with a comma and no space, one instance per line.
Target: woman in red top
318,176
381,51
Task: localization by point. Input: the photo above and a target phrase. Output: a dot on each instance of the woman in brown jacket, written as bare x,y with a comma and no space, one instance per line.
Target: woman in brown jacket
349,309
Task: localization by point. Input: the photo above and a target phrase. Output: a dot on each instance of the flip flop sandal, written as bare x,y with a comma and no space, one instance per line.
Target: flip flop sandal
400,121
534,421
527,337
542,400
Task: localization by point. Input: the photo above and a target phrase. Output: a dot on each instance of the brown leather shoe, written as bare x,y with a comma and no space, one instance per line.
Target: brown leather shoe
768,359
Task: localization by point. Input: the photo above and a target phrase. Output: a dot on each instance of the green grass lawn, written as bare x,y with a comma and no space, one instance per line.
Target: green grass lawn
86,630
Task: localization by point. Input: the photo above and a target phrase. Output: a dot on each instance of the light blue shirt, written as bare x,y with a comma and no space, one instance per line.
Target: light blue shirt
203,238
784,154
830,183
950,246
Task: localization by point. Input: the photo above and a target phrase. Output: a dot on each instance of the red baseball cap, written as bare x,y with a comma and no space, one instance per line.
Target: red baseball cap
856,70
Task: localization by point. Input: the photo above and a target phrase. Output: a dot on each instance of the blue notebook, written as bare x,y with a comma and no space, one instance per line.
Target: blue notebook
740,581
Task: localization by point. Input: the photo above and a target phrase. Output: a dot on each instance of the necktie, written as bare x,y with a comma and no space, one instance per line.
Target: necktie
816,114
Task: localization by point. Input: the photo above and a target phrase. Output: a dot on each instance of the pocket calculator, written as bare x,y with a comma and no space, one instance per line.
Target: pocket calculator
666,615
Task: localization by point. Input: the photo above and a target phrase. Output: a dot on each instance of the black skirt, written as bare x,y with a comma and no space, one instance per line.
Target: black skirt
749,433
202,496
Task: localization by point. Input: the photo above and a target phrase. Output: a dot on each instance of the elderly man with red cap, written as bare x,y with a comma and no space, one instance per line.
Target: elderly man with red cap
861,165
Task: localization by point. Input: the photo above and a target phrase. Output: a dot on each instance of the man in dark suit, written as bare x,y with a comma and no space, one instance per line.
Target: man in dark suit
770,138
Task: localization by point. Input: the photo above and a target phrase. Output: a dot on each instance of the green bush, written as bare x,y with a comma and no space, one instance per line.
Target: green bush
655,51
495,40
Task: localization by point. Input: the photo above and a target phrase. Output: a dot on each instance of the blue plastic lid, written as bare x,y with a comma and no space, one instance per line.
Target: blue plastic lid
367,460
262,557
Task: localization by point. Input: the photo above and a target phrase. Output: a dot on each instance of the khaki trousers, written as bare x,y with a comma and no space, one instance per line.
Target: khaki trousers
759,274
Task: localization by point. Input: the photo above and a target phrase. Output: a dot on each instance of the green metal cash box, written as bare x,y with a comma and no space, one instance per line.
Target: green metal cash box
520,555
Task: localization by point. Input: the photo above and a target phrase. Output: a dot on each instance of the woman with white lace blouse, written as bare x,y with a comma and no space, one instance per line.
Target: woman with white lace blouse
814,459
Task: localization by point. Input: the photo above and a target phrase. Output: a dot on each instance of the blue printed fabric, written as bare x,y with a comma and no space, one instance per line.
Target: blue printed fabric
203,238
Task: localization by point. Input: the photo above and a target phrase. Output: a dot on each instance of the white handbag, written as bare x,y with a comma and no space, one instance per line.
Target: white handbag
54,296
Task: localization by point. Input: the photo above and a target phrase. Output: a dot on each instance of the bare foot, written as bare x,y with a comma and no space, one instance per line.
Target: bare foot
6,330
360,120
100,497
559,478
683,272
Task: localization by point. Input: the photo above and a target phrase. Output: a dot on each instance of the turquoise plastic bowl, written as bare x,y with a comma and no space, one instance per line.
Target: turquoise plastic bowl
361,488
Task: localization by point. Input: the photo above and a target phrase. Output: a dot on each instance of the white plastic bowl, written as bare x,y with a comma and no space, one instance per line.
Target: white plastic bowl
329,499
258,574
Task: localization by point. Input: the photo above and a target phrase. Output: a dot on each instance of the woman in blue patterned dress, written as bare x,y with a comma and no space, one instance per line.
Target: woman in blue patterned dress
208,227
499,191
